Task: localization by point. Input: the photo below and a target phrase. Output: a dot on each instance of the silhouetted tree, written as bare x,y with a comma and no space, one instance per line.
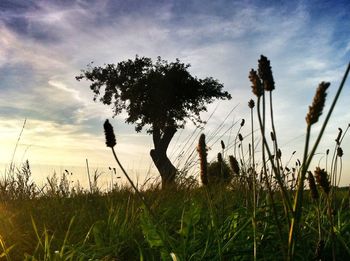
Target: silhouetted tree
160,95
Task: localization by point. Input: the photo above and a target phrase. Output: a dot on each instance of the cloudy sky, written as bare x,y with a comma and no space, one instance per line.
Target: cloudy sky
45,44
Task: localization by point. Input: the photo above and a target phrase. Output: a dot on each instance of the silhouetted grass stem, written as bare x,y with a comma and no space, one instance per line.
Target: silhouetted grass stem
268,185
111,142
306,163
285,195
251,106
131,182
341,86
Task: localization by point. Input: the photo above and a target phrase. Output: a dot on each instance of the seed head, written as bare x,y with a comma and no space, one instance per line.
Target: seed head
220,160
222,144
251,103
240,137
265,73
242,122
315,110
202,152
109,134
234,164
322,179
312,185
257,87
340,152
337,140
279,154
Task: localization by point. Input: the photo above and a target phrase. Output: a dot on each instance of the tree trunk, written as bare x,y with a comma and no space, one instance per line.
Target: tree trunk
166,169
161,142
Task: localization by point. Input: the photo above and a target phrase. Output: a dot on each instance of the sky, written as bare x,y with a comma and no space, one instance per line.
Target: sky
45,44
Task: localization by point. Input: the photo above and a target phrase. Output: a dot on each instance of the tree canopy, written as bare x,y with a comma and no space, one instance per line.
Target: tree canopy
159,95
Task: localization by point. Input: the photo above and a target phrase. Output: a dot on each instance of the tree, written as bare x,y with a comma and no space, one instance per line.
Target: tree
160,96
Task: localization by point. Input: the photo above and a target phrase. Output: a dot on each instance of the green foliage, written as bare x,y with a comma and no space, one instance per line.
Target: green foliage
219,172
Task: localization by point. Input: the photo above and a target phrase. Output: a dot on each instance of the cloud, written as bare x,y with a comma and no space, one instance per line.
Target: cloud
18,50
47,142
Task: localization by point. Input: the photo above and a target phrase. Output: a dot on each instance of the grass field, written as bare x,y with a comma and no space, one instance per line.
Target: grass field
192,223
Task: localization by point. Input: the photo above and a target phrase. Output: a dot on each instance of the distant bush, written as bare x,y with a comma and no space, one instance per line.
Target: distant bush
219,172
